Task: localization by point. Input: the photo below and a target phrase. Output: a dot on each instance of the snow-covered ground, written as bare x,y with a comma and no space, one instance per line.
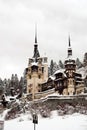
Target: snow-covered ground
55,122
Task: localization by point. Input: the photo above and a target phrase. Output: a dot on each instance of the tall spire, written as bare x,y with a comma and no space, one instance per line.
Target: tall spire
35,33
36,52
69,49
69,41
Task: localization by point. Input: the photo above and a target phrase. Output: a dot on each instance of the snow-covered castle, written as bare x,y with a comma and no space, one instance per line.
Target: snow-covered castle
66,81
37,71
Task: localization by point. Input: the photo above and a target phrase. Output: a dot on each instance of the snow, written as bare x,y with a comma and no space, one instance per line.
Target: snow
59,71
82,71
2,116
52,77
34,64
55,122
70,58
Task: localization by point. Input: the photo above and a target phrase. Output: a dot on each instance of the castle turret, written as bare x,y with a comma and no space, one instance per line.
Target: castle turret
37,71
70,68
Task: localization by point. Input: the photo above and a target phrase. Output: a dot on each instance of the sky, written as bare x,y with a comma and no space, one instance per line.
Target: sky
55,19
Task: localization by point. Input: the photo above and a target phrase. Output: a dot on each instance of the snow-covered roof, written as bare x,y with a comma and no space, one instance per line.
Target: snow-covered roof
58,79
70,58
60,71
34,64
70,62
52,77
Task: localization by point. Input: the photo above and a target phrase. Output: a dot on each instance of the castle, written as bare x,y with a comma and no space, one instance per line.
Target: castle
63,82
37,71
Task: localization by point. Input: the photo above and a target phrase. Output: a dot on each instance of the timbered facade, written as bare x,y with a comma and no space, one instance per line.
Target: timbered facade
66,81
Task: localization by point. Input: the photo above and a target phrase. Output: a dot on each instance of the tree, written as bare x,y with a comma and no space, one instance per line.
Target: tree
78,63
21,84
85,60
1,87
61,65
49,71
16,81
55,67
51,67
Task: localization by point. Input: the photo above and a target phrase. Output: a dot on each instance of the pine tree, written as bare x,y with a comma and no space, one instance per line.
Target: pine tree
1,83
51,67
16,81
25,81
1,87
21,84
8,87
78,63
85,60
49,71
55,67
61,65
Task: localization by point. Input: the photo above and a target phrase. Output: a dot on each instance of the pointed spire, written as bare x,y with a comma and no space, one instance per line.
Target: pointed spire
35,33
69,41
36,52
69,48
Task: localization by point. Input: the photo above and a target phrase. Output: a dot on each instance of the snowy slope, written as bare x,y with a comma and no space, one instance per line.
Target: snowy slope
55,122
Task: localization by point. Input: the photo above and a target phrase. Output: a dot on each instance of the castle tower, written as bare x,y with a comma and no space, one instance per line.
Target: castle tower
70,68
37,71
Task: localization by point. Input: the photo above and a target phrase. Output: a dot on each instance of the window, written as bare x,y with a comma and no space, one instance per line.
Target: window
42,69
29,90
39,69
39,76
29,76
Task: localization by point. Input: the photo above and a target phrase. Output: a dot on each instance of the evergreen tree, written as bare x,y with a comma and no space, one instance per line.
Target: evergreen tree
51,67
61,65
1,87
5,85
85,60
1,83
24,82
8,86
12,81
21,84
55,67
78,63
49,71
16,81
85,81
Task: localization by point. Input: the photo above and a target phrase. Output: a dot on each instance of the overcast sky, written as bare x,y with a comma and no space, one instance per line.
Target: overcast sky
56,19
